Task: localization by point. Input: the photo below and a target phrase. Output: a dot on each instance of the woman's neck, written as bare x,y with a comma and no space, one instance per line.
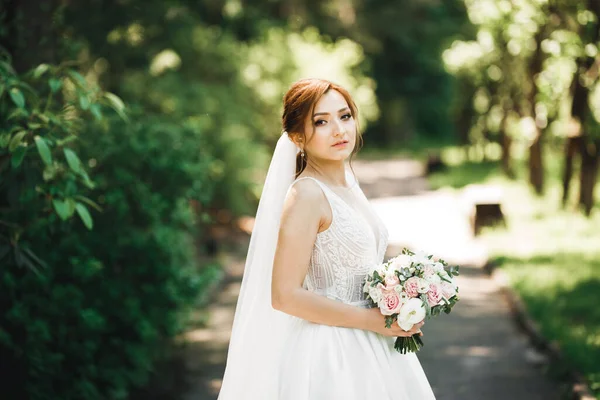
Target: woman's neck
332,173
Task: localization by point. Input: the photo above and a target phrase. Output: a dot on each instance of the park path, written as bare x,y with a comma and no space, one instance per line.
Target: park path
476,352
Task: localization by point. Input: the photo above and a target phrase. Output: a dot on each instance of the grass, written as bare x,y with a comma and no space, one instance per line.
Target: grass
466,173
552,258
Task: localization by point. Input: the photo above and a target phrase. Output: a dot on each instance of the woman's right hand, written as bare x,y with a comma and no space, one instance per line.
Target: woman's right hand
376,323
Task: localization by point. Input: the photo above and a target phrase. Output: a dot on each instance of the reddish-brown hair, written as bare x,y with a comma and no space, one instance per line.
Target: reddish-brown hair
299,103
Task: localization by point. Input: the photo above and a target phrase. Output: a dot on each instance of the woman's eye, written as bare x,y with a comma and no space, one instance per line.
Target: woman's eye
346,116
319,122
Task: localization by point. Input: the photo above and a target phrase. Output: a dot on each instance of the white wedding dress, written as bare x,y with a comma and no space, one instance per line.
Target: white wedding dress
321,362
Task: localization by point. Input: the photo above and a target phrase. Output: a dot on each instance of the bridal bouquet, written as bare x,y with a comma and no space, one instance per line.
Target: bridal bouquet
410,287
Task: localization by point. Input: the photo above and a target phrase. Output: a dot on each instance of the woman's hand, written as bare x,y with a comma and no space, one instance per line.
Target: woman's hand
376,323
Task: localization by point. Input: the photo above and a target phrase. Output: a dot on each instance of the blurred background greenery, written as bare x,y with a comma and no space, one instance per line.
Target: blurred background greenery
132,132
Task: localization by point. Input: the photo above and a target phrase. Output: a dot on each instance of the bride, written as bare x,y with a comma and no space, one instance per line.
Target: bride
303,329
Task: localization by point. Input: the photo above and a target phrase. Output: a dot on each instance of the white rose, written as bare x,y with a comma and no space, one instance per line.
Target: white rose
421,257
431,275
375,294
401,261
366,287
445,274
412,312
423,285
439,267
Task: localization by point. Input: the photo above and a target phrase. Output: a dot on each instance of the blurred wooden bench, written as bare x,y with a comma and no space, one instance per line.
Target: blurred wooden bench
485,206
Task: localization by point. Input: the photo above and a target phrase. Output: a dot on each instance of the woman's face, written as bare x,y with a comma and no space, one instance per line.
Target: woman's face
331,130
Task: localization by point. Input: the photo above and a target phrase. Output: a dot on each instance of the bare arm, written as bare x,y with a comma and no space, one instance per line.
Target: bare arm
306,210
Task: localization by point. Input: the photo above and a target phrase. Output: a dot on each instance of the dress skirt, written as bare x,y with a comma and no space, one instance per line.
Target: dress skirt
322,362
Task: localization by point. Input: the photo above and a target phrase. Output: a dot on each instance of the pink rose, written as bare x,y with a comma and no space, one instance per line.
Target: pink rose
411,287
434,295
391,280
448,290
390,303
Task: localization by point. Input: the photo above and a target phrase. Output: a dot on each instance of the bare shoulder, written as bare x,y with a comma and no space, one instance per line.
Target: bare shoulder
304,195
307,190
306,204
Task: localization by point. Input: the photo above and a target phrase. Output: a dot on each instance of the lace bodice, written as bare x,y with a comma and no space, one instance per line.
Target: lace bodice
344,253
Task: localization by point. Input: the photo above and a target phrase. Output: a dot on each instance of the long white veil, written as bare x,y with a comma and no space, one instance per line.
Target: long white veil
258,330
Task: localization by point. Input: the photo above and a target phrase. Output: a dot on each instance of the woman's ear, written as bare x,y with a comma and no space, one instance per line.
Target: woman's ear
297,139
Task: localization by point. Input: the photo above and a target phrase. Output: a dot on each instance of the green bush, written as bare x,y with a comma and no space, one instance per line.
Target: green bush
93,324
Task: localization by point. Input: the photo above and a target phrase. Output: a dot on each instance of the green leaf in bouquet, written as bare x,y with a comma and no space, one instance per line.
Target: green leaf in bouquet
377,276
454,271
389,320
423,298
407,251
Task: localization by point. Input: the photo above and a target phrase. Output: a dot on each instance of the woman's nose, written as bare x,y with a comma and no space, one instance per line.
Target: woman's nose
339,127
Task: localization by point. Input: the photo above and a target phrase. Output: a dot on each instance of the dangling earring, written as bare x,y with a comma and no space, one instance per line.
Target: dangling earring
301,153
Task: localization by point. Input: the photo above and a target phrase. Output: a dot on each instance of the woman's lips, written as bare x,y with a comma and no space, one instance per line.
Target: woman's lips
341,144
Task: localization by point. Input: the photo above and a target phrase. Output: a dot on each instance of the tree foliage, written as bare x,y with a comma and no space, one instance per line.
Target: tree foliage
532,67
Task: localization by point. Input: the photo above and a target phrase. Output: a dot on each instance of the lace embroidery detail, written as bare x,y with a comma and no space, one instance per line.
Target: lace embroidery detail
344,253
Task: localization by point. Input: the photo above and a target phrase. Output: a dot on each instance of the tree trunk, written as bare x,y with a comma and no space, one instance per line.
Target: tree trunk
589,148
506,143
571,149
536,166
464,120
590,155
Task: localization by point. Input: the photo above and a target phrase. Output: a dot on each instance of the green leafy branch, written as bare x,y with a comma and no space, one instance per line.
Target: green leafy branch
43,111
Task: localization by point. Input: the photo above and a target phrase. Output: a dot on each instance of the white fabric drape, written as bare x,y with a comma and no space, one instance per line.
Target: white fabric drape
259,330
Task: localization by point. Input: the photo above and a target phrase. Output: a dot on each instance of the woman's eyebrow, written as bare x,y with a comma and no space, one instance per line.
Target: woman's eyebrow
326,113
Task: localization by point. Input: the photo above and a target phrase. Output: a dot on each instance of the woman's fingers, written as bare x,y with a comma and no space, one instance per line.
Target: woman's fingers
396,331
